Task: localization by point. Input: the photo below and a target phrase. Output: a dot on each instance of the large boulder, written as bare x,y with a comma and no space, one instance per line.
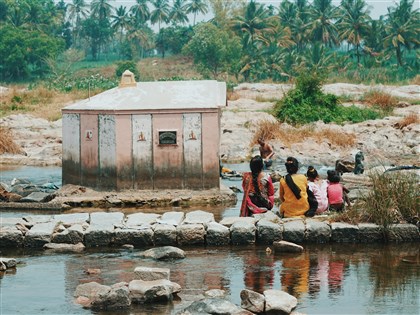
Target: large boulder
279,302
100,297
163,253
214,306
252,301
155,290
191,234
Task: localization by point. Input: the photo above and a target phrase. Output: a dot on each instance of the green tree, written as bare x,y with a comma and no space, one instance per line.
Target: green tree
23,52
321,26
178,13
3,10
101,27
213,50
374,40
140,40
196,6
160,13
141,11
97,33
120,20
402,28
223,11
295,17
101,9
77,11
353,24
254,26
177,37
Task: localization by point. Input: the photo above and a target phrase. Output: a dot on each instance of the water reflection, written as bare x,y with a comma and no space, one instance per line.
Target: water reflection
326,279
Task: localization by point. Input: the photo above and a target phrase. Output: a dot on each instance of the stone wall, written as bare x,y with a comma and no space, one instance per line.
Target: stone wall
183,229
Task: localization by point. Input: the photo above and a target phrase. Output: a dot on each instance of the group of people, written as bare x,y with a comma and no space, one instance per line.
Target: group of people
300,195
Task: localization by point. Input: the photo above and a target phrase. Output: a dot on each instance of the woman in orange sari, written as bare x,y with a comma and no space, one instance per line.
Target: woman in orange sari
258,189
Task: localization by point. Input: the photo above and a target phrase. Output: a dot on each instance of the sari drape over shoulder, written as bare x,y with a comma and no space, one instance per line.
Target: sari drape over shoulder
266,189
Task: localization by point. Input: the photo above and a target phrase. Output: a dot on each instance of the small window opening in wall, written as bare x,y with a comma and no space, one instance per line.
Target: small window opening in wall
167,137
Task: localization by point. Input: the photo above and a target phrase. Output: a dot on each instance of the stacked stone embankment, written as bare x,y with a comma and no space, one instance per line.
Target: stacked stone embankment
140,230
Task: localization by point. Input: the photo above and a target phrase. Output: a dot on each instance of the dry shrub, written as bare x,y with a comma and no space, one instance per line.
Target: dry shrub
7,145
273,130
416,80
232,96
412,118
39,102
382,99
340,139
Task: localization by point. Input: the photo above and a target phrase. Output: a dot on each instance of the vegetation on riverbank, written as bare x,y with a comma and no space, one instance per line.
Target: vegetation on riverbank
270,130
7,145
307,103
392,198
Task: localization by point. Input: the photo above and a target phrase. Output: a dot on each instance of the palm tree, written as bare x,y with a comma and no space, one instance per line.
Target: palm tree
374,40
295,17
255,26
353,23
196,6
140,37
321,26
16,16
120,20
141,11
160,13
101,9
77,10
178,12
402,28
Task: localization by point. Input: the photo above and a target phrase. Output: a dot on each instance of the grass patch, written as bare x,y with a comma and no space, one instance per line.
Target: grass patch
262,99
412,118
7,145
381,99
38,101
288,135
393,198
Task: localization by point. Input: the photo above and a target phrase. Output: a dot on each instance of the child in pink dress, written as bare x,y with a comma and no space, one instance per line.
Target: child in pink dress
319,188
337,193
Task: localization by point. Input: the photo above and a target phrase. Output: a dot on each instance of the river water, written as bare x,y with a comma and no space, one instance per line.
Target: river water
326,279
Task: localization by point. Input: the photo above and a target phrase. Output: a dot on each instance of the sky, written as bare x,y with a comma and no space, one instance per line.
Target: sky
377,7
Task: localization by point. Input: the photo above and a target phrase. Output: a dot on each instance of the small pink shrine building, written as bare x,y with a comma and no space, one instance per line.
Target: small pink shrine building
145,135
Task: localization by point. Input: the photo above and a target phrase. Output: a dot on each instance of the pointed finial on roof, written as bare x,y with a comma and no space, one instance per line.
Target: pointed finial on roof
127,79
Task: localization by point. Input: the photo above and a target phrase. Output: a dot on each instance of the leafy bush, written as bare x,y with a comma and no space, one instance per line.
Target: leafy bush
127,65
307,103
94,82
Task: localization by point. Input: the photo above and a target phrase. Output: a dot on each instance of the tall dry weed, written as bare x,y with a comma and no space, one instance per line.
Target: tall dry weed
393,198
274,130
416,80
381,99
7,145
39,102
412,118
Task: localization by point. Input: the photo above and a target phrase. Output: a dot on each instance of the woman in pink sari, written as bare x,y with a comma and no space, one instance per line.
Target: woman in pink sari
258,189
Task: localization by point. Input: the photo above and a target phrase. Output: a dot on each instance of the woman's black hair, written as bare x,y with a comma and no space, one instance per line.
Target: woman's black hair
292,166
333,176
311,173
256,165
